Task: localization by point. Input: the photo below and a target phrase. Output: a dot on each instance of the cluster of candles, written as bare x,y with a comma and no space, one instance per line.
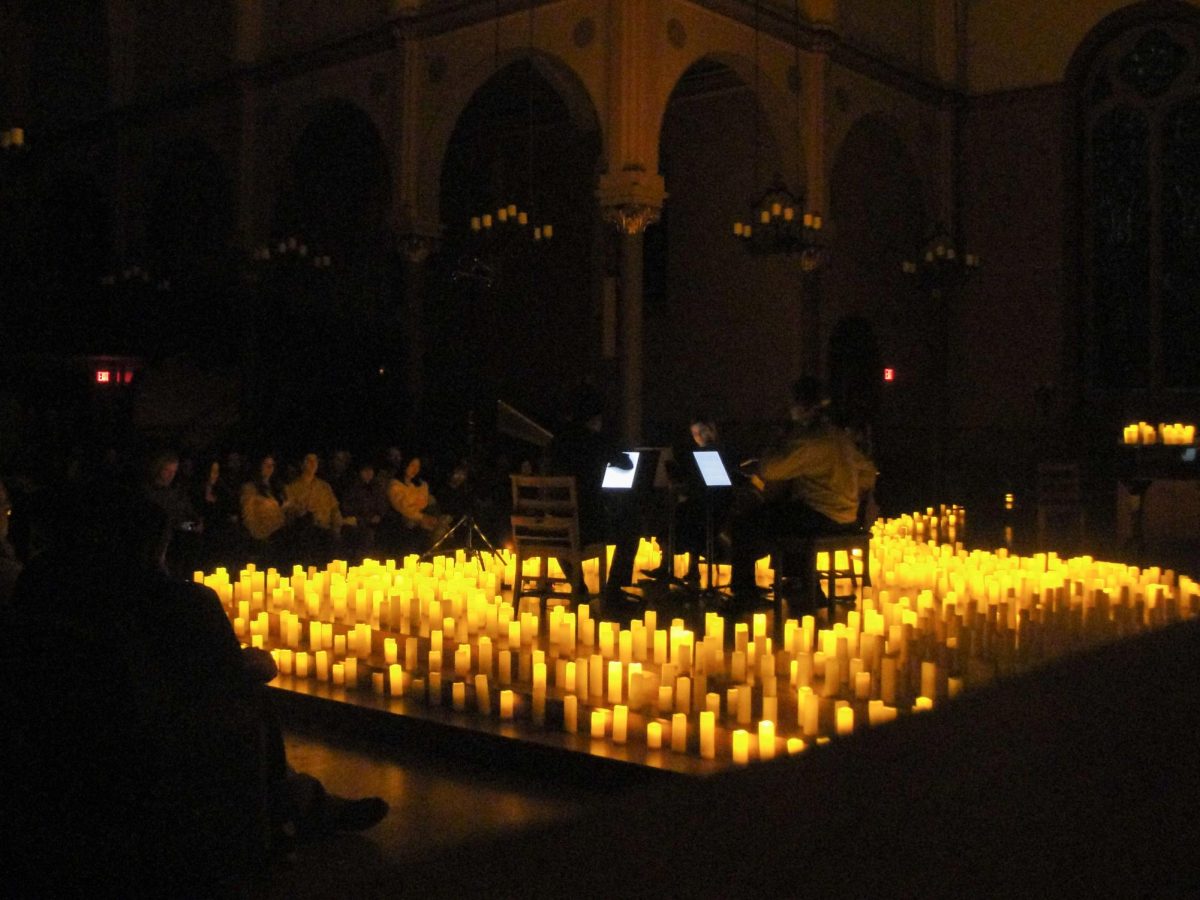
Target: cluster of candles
938,620
291,247
510,214
775,213
12,137
1173,434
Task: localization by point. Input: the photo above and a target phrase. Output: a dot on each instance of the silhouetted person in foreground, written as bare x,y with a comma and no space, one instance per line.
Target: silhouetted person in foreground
145,758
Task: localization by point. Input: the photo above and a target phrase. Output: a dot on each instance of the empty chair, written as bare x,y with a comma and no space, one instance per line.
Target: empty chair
545,525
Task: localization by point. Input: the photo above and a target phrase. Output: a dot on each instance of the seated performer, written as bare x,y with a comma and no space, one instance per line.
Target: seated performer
693,501
814,479
581,448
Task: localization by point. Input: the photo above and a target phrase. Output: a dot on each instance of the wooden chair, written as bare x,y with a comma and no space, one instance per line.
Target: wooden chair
1060,504
545,525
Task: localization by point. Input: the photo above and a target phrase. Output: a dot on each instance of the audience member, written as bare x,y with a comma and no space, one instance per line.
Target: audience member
318,520
150,764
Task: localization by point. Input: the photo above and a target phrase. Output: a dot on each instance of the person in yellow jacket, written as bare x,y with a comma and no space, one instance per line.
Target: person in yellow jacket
409,496
310,495
813,480
262,503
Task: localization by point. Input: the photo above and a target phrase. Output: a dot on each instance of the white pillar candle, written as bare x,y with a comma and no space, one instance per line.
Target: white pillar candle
485,654
845,719
741,746
708,734
322,665
377,682
396,680
570,714
887,680
862,685
598,724
666,699
615,681
654,735
745,696
504,667
620,723
462,661
683,694
351,668
506,703
810,712
795,745
483,696
766,739
435,688
770,708
929,676
411,646
458,692
679,733
712,703
596,675
390,651
302,665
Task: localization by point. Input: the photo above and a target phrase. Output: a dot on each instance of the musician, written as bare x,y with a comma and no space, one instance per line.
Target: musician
692,500
813,481
583,449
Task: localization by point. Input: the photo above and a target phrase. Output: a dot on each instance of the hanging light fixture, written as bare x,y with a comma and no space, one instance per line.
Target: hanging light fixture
778,222
940,261
507,217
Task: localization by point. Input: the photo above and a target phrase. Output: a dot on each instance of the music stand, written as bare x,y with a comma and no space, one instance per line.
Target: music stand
467,522
715,477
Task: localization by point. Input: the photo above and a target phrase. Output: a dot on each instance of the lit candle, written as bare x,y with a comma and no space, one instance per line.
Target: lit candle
766,739
845,719
708,736
654,735
483,696
795,745
741,746
506,705
598,724
862,685
679,733
458,692
390,653
570,713
396,680
620,723
615,681
377,682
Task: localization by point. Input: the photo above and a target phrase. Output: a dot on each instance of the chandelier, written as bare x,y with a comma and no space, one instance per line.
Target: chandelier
940,261
508,221
778,223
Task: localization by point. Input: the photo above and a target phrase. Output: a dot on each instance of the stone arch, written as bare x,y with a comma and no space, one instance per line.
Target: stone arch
189,208
565,81
777,109
879,209
336,187
502,335
1133,309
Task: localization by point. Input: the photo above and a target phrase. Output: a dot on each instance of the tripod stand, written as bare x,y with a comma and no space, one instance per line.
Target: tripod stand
467,523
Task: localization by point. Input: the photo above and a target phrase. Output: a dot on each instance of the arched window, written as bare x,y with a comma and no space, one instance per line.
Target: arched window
1137,97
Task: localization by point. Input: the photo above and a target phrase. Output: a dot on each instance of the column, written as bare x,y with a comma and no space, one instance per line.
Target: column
415,249
247,49
631,201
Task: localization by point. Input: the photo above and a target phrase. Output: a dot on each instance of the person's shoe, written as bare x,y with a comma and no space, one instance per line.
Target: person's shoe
332,813
342,814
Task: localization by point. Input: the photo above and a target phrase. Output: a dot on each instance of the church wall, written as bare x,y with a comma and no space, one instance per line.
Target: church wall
1023,43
